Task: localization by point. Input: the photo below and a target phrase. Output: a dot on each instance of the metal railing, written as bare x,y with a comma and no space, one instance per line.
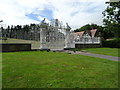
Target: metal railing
95,40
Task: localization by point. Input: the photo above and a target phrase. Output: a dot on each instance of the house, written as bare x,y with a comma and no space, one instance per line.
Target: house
87,38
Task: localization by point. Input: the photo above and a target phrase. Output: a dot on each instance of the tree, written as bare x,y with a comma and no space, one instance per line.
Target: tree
111,19
85,27
100,29
89,27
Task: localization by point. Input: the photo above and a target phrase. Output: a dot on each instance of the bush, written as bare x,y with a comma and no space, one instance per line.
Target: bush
75,49
115,43
4,38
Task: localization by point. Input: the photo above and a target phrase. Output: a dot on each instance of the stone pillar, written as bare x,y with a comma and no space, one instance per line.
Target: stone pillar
42,39
67,41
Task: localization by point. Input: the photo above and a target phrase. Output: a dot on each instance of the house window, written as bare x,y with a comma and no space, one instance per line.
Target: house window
86,40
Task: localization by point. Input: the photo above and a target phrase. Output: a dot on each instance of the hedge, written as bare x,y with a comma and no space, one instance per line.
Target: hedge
115,43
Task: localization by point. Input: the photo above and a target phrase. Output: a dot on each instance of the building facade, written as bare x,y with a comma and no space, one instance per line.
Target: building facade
87,38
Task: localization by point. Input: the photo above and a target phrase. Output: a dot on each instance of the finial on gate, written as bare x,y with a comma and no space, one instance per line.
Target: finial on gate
43,21
68,27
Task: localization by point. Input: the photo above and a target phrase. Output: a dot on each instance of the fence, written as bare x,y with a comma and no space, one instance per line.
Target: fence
95,40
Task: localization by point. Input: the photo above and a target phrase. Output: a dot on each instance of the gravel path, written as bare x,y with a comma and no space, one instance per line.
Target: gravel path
94,55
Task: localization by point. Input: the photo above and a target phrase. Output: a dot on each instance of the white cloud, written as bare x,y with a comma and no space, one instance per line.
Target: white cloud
14,11
83,15
75,12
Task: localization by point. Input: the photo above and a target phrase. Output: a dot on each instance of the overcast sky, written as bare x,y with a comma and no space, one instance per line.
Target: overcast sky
76,12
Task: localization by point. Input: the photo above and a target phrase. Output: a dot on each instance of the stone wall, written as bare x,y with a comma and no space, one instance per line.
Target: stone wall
11,47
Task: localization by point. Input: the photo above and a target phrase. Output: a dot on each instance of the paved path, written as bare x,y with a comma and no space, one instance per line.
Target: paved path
94,55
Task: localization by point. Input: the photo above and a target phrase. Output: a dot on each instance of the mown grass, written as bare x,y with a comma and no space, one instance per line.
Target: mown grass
103,51
57,70
0,70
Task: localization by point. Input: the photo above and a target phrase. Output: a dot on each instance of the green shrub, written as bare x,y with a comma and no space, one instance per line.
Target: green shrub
75,49
115,43
4,38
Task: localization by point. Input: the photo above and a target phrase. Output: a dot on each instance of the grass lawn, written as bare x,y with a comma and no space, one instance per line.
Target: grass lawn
38,69
103,51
